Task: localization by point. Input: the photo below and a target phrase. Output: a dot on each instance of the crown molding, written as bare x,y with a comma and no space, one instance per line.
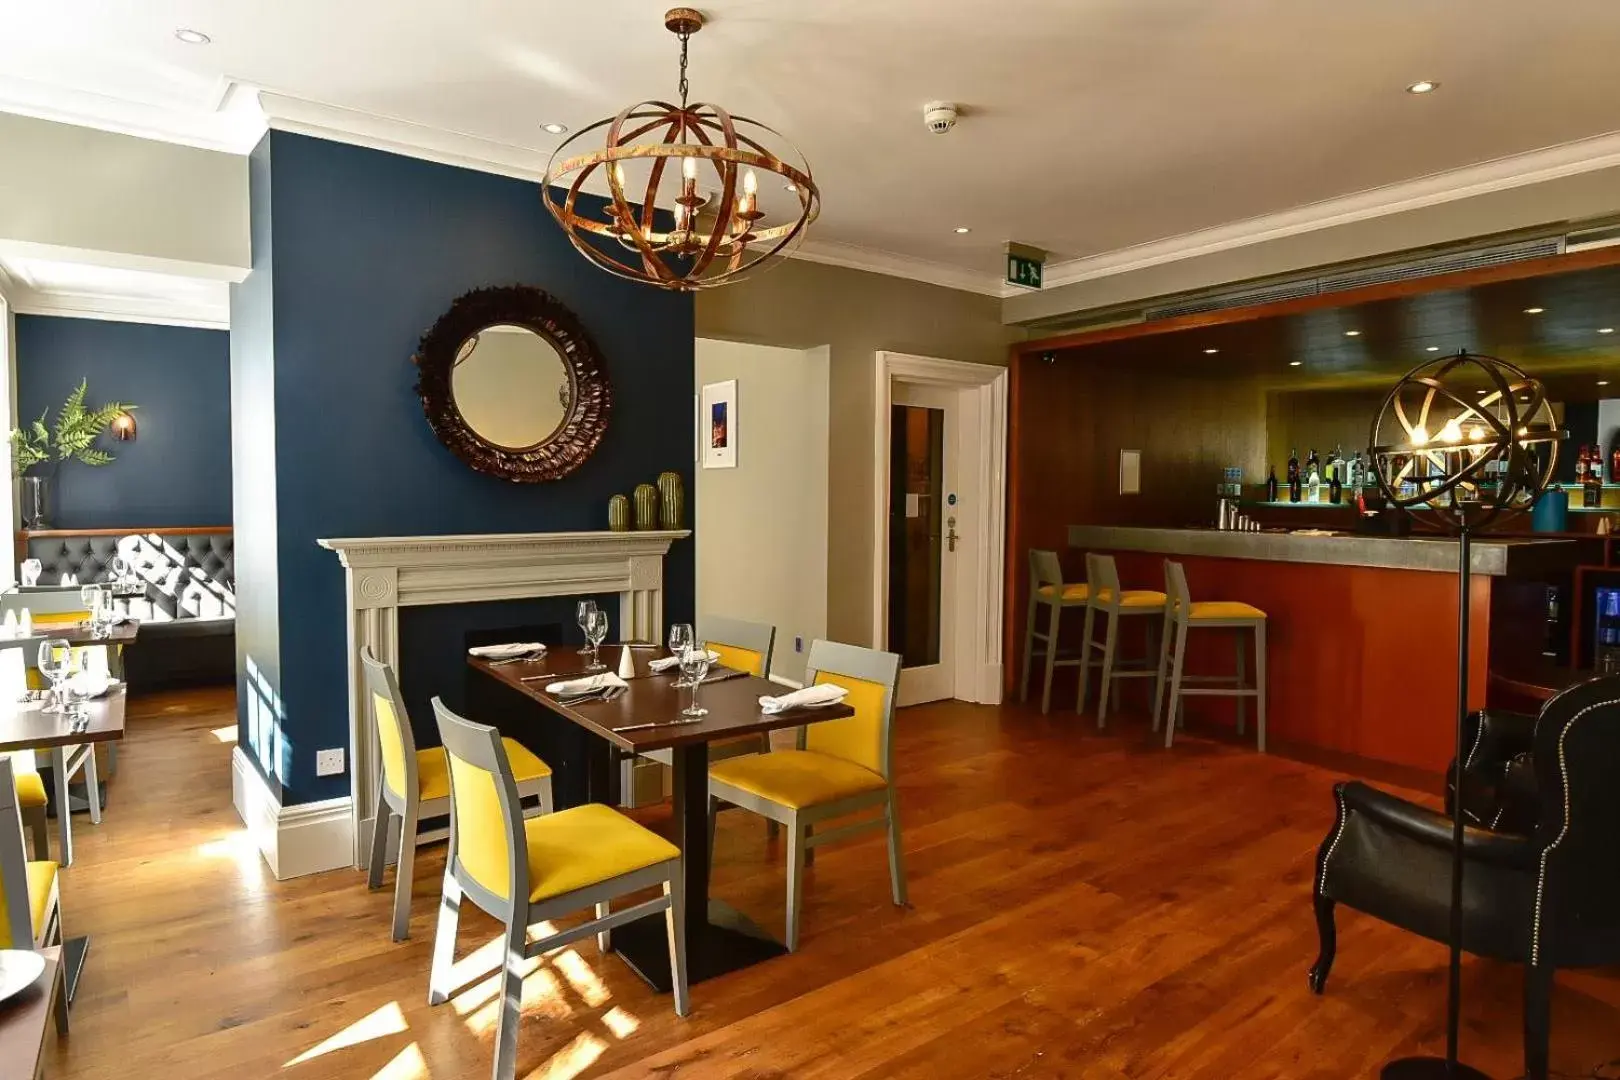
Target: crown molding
1502,174
232,124
850,256
111,307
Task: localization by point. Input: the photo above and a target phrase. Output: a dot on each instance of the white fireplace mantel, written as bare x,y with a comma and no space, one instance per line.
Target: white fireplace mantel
386,573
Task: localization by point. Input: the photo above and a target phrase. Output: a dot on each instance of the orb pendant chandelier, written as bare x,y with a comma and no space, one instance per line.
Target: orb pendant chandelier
712,199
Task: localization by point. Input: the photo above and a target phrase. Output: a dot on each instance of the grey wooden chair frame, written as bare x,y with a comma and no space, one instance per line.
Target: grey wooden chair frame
1173,659
408,806
1045,569
481,746
1103,575
33,817
14,875
858,663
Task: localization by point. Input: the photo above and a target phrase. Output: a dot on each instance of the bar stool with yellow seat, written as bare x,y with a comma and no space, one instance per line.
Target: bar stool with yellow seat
1115,604
1046,586
415,784
527,872
1182,612
30,905
840,767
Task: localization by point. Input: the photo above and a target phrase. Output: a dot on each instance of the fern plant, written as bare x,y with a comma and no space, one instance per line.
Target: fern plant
72,437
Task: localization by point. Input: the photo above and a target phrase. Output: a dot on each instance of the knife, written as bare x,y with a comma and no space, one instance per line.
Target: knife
723,676
658,724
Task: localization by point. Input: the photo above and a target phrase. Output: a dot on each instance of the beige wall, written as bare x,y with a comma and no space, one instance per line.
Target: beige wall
801,305
78,194
761,527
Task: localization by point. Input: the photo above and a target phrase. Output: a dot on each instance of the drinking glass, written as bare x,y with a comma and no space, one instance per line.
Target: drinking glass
94,600
681,636
695,665
55,655
120,570
596,628
582,614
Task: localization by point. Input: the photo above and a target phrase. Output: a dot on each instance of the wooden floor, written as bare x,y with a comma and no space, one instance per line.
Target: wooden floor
1082,906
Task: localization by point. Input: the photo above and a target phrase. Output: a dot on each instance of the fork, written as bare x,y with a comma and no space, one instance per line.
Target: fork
520,657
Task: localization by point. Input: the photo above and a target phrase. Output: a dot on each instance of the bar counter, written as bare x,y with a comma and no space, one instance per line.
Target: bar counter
1361,630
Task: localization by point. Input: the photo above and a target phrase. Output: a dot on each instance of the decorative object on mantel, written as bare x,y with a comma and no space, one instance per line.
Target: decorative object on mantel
513,385
717,425
71,438
646,506
672,500
619,514
681,235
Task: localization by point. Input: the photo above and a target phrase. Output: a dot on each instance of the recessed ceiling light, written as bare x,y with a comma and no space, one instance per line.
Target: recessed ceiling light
1534,310
1352,333
1432,348
555,128
1423,86
1603,382
192,37
1605,329
791,186
1211,352
1295,363
962,230
1481,393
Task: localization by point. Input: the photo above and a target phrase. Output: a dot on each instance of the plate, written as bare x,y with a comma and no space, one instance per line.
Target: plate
19,969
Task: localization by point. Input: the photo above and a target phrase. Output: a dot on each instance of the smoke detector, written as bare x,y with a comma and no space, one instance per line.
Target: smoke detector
939,116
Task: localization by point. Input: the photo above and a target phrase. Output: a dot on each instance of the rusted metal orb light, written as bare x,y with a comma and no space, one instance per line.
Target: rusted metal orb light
707,210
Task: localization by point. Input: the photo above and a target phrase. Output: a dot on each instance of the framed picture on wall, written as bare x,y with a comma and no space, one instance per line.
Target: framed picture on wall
717,425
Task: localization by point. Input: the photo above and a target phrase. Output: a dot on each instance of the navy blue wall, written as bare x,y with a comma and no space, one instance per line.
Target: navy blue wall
370,248
177,471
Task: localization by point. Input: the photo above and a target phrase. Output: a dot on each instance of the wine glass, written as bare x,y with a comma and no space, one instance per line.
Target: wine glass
582,614
695,665
596,628
681,636
93,599
120,570
55,655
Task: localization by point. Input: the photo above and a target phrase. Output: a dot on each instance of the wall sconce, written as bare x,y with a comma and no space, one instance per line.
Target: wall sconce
122,427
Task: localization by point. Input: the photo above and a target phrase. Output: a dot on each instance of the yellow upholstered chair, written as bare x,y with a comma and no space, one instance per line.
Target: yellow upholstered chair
31,799
1113,604
743,646
524,872
841,767
1182,612
1046,586
65,762
30,906
415,784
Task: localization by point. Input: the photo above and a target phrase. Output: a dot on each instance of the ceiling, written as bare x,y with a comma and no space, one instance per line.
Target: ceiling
1089,126
1371,344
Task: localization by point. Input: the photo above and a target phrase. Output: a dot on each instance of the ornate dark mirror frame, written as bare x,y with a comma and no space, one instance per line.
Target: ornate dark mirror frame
534,309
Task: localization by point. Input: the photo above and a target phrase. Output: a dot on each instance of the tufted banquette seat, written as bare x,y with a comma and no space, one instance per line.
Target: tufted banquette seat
187,609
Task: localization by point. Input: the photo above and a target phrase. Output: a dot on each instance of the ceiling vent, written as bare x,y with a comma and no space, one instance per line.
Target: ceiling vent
1600,236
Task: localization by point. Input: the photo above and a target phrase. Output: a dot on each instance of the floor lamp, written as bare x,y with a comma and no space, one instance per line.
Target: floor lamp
1461,442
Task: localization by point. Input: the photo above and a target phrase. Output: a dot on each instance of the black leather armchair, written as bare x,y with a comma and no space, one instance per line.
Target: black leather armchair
1541,883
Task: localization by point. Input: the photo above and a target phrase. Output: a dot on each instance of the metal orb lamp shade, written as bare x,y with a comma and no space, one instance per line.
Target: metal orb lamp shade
706,209
1461,442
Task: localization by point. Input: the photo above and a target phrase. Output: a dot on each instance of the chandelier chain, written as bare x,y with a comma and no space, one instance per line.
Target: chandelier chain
684,39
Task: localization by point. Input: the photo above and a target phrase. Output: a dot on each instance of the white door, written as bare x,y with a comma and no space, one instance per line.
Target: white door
924,452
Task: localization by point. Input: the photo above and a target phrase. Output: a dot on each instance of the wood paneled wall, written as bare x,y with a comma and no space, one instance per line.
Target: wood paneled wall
1321,419
1071,417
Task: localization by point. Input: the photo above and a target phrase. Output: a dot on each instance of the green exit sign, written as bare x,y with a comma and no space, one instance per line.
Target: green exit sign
1023,271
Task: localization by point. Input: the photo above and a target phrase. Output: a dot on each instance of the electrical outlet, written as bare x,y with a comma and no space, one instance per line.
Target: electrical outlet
329,762
798,644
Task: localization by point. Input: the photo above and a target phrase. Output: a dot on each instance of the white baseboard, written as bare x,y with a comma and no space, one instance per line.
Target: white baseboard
990,684
295,840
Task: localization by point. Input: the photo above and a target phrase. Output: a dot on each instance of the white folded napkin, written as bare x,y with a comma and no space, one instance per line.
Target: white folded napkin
674,661
506,652
584,686
90,684
811,697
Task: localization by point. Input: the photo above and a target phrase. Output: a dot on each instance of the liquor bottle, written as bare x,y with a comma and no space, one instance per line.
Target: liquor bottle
1592,482
1614,463
1293,476
1271,480
1580,465
1335,489
1313,478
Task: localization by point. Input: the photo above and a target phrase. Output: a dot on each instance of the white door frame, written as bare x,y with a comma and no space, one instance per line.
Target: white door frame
976,648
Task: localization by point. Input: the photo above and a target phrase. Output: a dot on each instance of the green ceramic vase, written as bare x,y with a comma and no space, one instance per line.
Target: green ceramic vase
672,495
646,506
619,514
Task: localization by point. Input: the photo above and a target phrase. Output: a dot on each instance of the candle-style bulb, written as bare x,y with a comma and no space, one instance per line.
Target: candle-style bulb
1452,432
750,184
689,168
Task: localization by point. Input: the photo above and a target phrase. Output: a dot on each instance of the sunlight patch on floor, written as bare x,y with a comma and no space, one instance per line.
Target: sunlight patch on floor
571,1060
621,1023
542,996
388,1020
225,734
408,1064
238,847
582,977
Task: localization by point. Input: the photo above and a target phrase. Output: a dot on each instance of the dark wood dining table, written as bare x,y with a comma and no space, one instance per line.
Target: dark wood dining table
27,726
25,1022
719,939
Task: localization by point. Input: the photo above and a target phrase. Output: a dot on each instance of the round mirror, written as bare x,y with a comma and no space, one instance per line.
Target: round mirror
511,386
